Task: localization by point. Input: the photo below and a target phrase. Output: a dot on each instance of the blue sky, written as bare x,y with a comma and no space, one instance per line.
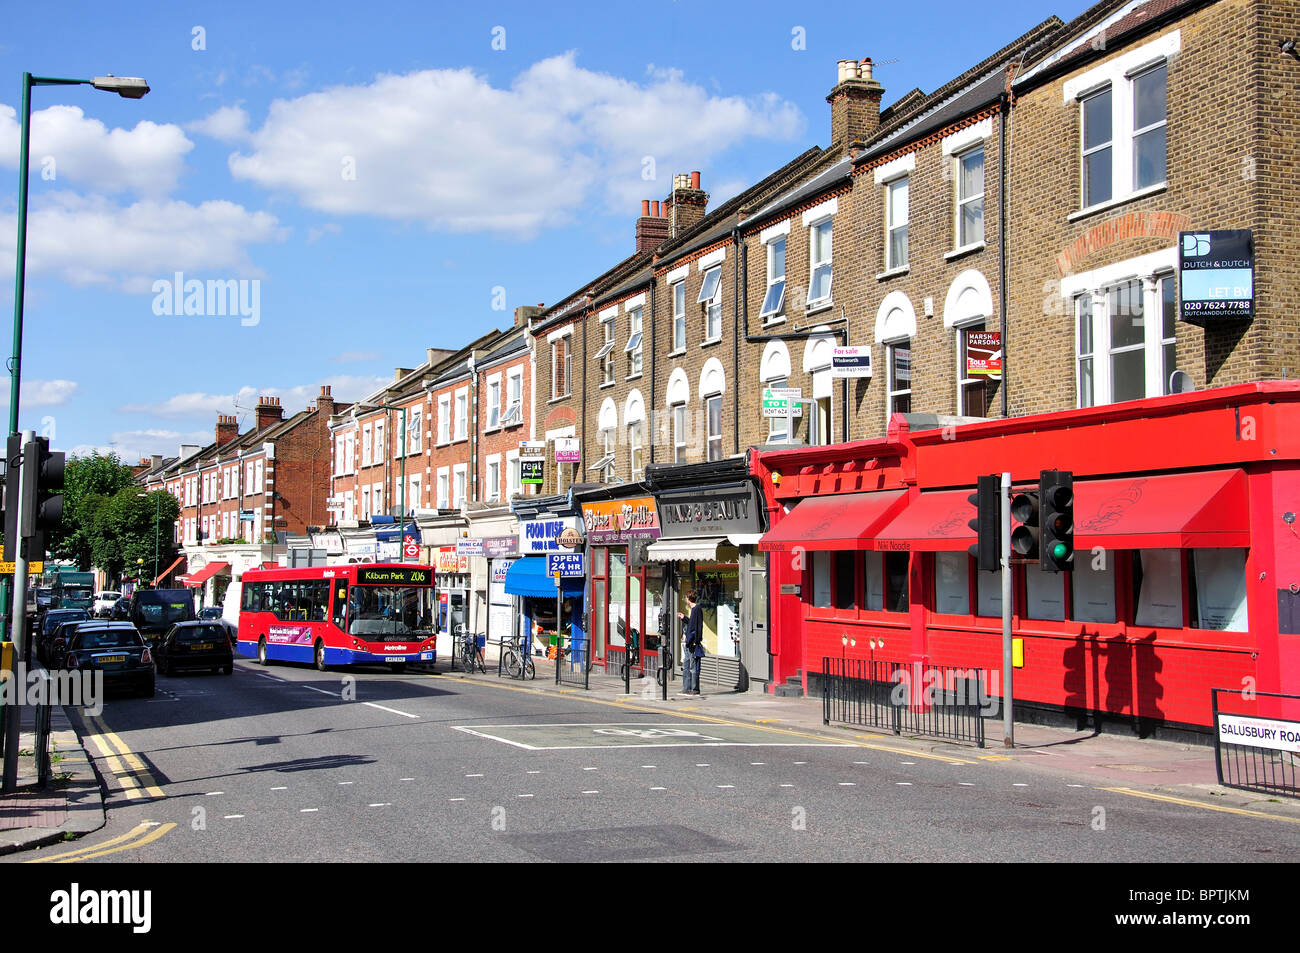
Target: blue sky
381,170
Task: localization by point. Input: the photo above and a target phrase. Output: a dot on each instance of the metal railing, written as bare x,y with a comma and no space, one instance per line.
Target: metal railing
573,660
942,701
1257,740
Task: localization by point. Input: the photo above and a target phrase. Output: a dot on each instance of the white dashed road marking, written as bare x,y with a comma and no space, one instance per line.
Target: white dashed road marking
391,711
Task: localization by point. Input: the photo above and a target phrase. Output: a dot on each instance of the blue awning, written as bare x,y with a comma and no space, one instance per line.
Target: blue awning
395,533
527,577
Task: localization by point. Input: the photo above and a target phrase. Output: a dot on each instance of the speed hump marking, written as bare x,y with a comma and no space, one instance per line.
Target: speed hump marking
567,737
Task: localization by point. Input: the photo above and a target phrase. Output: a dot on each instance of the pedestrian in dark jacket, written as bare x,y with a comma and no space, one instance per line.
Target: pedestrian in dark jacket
693,644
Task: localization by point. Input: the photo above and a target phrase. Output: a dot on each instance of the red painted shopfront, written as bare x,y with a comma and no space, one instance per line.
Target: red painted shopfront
1187,565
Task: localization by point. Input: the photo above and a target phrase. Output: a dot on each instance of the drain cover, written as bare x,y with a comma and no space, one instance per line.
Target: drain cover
1139,768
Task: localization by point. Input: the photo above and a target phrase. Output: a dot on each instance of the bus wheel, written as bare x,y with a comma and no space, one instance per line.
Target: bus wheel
261,651
320,656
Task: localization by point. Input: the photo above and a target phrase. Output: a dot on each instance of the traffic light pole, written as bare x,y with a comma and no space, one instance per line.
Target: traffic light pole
18,632
1008,657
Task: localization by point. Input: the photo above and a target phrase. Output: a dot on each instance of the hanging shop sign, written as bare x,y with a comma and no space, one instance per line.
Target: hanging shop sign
565,565
496,547
710,511
984,354
614,522
570,538
469,547
1216,275
851,361
568,450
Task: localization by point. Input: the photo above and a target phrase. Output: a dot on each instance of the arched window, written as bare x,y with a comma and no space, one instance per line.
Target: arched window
774,371
713,382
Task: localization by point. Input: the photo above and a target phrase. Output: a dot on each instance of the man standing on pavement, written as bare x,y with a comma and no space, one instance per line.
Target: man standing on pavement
692,644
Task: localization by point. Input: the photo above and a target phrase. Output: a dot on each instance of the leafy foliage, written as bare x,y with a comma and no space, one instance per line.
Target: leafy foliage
127,526
87,483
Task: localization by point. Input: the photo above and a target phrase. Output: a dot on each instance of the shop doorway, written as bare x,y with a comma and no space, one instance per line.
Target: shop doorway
755,647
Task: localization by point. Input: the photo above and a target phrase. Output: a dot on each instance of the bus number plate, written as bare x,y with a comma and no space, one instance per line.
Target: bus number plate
394,658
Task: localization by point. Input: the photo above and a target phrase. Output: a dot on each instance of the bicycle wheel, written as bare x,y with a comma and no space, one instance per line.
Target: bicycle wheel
530,670
513,666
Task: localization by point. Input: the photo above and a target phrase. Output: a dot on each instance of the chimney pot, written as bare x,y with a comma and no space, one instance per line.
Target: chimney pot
695,180
645,208
655,206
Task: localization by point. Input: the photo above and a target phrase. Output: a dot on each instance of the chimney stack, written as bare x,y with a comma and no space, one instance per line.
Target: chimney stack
526,312
686,206
325,401
855,103
227,429
155,461
268,412
651,229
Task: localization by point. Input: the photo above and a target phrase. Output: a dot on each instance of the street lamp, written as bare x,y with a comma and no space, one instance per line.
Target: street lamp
157,515
128,87
401,534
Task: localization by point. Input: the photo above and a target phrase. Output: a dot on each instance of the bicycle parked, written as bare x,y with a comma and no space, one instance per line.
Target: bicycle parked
471,653
632,657
515,661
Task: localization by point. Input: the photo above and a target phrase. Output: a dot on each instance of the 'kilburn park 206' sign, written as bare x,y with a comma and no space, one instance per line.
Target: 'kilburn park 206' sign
1216,275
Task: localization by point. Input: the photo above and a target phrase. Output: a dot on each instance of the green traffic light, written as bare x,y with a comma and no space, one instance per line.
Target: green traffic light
1060,550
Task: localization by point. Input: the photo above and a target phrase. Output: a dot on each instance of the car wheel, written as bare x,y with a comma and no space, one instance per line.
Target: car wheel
320,656
228,669
261,651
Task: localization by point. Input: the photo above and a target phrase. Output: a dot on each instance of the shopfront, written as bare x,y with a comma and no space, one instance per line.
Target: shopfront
451,582
527,580
500,553
625,590
711,519
1185,573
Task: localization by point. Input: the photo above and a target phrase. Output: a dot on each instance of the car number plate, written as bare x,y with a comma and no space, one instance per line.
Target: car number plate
104,659
201,647
394,658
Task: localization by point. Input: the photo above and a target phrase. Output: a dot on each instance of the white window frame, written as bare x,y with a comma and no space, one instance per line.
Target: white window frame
892,389
712,441
680,427
962,240
513,486
562,347
459,485
679,316
377,497
892,226
494,395
259,474
815,264
775,313
711,308
1119,75
380,451
514,412
636,448
779,429
365,447
635,343
444,419
605,354
963,380
493,478
1150,270
462,414
350,444
444,488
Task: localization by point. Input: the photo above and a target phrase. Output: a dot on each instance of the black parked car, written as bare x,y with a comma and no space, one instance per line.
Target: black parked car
196,645
51,621
154,611
115,649
56,646
213,614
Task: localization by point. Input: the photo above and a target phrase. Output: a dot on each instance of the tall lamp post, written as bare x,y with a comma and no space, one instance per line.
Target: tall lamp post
128,87
401,535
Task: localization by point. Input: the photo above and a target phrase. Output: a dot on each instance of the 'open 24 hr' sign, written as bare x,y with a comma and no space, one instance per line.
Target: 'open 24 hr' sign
565,564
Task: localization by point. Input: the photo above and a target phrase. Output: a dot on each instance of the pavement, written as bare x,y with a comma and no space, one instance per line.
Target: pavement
72,805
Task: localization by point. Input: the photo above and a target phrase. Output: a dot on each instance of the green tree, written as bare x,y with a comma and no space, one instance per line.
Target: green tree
127,526
87,484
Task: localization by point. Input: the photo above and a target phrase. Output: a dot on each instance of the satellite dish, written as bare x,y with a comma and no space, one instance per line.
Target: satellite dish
1181,383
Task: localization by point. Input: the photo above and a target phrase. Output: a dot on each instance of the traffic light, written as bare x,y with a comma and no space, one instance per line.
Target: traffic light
1057,550
13,467
987,523
42,494
1024,538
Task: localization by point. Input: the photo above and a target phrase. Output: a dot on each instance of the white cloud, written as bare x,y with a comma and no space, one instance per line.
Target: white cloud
227,124
93,240
33,394
199,404
68,147
446,148
314,234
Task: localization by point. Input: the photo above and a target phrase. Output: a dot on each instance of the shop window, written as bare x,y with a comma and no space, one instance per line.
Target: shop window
821,570
1218,580
617,599
952,583
1044,595
1158,588
886,588
846,589
1093,589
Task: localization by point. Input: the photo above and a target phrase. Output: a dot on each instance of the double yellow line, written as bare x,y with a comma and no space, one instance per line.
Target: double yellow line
138,836
135,780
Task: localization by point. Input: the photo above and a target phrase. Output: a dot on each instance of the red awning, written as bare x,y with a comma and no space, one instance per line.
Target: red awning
162,575
840,521
1175,511
933,521
204,574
